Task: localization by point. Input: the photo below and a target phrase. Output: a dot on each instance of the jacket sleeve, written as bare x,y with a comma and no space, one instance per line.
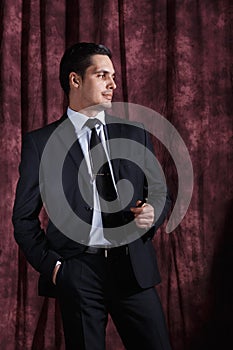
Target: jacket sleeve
27,206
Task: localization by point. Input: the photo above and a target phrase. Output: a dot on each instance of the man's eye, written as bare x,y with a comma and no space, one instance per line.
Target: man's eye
100,75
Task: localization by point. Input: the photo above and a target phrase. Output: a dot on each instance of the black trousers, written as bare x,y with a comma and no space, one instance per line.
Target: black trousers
91,286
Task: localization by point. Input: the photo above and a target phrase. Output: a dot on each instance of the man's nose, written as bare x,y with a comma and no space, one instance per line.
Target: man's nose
111,83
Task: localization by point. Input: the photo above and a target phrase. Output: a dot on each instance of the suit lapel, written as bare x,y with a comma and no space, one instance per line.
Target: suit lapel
67,136
113,131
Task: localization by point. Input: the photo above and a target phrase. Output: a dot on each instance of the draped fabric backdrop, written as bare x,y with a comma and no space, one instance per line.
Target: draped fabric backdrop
174,56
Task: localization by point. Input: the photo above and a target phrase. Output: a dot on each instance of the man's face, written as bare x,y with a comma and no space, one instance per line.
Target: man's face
98,83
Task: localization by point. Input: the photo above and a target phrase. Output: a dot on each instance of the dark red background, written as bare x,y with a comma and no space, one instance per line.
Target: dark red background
174,57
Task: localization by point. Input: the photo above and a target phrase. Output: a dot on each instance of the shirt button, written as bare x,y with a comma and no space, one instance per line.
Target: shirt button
89,208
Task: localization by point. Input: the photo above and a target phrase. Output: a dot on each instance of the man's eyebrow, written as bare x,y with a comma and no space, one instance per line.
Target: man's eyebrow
104,71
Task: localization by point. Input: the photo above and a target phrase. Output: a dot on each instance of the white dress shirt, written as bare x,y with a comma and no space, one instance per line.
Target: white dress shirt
83,135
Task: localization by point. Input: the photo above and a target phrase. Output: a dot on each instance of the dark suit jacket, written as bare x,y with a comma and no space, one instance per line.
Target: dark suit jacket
41,249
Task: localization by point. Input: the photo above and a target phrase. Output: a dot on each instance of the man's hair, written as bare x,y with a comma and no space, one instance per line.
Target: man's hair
77,59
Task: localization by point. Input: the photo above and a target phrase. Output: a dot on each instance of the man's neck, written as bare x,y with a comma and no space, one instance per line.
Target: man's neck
90,111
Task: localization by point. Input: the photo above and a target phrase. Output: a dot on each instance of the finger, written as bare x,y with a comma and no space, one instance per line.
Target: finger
136,210
141,218
143,225
55,273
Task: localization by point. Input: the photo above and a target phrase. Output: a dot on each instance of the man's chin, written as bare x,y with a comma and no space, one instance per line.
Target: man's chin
102,106
106,105
95,109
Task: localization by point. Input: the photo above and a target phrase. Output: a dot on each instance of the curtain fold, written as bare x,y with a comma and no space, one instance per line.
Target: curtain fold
174,57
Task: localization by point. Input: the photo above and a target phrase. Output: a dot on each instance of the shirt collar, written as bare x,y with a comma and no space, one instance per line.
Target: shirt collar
79,119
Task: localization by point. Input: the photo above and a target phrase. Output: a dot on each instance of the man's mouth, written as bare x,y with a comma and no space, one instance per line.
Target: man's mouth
107,95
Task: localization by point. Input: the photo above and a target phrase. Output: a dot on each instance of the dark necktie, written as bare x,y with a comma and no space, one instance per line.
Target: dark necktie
100,164
104,184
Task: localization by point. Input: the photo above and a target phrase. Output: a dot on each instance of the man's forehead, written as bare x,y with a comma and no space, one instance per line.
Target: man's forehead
102,62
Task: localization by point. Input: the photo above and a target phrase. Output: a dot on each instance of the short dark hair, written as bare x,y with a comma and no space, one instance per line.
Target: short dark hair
77,59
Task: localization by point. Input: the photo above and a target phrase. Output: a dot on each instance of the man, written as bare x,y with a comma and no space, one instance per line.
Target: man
106,263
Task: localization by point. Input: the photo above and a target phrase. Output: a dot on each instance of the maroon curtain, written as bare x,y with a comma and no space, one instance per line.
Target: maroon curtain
175,57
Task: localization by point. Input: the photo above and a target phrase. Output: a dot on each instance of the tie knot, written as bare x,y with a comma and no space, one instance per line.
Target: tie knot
91,123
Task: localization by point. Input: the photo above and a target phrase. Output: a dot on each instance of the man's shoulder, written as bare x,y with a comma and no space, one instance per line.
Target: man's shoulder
125,124
47,129
39,137
128,129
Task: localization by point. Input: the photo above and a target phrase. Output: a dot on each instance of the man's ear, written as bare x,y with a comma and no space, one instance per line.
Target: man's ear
74,79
